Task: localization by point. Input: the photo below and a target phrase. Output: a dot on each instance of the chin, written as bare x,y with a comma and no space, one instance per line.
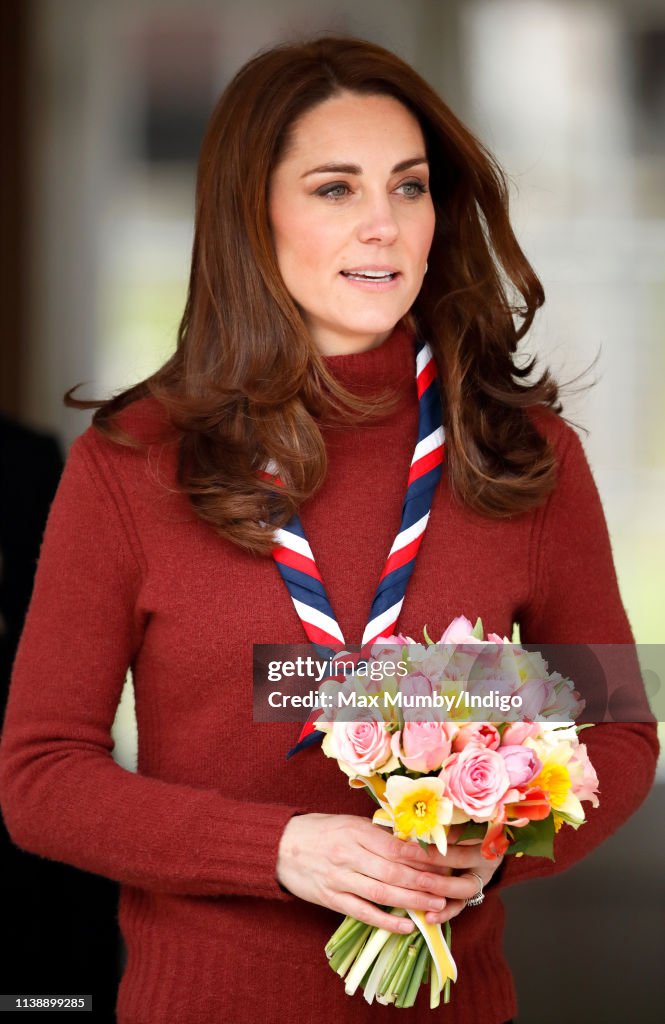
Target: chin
374,325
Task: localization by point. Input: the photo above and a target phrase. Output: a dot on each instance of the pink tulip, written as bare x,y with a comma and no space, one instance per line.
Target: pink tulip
522,764
585,782
481,734
422,746
459,632
516,733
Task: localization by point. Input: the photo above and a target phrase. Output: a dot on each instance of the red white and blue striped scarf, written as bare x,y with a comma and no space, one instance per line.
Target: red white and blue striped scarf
298,568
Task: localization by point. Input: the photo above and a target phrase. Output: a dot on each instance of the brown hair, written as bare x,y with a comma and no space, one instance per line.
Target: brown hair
246,383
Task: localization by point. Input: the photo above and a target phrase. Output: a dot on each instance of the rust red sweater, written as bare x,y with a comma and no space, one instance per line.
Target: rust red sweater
128,576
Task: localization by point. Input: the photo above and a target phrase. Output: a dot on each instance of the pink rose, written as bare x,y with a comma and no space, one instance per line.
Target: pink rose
481,734
364,744
522,764
517,732
422,746
477,781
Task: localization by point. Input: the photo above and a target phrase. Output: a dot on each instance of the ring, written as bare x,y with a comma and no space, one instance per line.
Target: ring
476,900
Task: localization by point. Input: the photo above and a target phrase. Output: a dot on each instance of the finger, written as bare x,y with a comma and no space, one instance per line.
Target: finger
460,887
455,831
396,874
387,845
452,909
384,843
353,906
464,857
376,891
431,859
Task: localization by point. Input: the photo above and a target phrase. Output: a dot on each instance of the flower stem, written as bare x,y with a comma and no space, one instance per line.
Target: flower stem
342,948
348,956
367,974
373,947
401,983
381,964
416,978
348,925
386,983
398,951
434,990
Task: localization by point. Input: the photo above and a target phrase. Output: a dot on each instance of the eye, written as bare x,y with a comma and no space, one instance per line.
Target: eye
413,189
336,190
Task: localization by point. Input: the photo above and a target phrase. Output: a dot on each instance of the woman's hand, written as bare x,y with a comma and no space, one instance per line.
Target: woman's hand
347,864
465,857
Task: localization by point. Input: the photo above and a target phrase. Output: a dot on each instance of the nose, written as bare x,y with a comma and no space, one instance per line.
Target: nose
377,222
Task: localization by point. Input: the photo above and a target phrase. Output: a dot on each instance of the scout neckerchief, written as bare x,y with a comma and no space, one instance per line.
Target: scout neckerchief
295,560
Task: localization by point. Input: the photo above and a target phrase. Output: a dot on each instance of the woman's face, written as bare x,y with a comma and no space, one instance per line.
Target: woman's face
352,219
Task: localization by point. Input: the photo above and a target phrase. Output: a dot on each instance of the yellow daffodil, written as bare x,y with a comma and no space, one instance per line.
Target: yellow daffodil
419,809
554,779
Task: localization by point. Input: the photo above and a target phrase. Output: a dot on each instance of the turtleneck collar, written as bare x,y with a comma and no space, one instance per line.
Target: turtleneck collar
391,364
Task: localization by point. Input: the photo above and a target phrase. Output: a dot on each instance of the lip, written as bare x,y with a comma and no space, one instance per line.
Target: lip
372,286
370,266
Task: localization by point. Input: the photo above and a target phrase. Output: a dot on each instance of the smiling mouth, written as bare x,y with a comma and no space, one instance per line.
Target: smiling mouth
370,275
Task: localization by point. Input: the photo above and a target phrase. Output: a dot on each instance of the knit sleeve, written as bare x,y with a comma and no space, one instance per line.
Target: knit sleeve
62,794
575,600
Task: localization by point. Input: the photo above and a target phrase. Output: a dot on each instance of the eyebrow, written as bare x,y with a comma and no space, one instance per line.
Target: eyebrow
334,168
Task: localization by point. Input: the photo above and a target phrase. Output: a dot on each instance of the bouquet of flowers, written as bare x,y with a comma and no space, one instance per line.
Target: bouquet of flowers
413,741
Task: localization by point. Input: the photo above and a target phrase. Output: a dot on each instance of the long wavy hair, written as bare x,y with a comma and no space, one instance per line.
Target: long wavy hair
246,383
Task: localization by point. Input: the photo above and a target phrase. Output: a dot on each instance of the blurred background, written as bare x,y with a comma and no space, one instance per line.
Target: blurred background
103,109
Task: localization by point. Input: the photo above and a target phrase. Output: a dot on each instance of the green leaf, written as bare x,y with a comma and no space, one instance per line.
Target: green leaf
473,830
427,636
535,839
477,630
572,822
425,846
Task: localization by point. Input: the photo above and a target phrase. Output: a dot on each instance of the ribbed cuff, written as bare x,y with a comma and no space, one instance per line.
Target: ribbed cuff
251,868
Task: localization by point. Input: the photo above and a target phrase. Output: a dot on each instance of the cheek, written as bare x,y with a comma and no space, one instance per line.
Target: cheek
302,242
427,229
420,229
287,231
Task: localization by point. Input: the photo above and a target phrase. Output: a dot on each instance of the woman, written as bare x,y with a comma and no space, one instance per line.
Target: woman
330,177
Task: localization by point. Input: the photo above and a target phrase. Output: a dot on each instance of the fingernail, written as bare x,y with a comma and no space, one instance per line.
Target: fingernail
406,926
437,904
